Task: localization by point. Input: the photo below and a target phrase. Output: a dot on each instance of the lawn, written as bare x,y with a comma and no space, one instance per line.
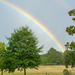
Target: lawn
44,70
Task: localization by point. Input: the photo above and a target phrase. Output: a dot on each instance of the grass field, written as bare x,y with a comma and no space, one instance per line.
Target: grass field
44,70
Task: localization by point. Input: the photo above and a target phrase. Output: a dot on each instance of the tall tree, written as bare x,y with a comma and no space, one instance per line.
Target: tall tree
52,57
2,50
23,45
70,47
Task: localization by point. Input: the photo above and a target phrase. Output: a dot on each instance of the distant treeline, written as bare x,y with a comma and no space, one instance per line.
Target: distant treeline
52,57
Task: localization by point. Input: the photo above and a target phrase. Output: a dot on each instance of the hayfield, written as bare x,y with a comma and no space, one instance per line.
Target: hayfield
44,70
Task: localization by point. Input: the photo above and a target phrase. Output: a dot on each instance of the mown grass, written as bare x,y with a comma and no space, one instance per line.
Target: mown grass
33,74
43,70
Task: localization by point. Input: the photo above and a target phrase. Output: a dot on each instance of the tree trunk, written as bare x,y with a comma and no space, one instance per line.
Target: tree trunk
2,72
24,71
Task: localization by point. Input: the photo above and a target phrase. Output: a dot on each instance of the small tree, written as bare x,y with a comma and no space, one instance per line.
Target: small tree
70,47
2,50
23,45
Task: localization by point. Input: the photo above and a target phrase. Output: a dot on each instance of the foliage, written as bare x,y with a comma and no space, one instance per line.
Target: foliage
52,57
2,52
69,55
10,61
23,51
70,30
69,58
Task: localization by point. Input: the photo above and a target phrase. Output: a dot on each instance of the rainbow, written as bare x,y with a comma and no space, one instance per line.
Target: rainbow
63,4
36,22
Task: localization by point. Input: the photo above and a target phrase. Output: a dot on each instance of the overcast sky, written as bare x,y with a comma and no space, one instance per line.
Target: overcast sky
53,14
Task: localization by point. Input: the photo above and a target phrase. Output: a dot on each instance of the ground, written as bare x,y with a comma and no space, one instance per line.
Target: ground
44,70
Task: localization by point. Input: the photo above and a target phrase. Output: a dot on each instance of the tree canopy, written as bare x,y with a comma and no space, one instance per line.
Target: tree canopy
2,51
52,57
23,50
69,56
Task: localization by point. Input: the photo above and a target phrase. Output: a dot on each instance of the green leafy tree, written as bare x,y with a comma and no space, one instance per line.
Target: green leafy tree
2,50
67,58
52,57
70,47
43,59
24,50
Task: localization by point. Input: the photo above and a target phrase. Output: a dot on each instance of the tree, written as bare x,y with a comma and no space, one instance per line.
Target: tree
2,50
67,58
24,50
70,47
52,57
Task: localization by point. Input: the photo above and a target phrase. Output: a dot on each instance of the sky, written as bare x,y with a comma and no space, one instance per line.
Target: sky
52,14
